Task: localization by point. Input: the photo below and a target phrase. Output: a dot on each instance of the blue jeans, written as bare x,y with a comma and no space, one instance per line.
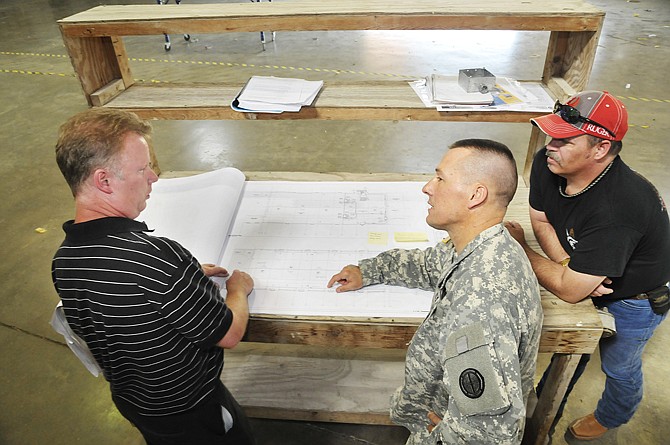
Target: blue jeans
621,361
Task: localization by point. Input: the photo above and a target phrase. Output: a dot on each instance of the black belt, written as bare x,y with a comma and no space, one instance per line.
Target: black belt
660,290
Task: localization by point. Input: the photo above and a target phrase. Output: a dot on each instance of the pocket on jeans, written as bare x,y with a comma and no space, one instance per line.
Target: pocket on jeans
636,305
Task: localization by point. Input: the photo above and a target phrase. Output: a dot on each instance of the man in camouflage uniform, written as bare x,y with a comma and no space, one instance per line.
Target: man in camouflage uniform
469,368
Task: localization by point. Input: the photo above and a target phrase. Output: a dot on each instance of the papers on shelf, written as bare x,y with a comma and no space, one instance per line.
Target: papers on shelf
508,95
446,90
276,94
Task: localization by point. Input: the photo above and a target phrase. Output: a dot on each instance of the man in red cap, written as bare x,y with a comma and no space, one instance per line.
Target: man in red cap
606,233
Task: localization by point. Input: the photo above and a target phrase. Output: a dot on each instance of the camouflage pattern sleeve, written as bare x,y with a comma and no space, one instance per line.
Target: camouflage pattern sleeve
414,268
493,412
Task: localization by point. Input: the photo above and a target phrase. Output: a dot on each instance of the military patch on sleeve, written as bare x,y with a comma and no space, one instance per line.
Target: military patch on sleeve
471,376
472,383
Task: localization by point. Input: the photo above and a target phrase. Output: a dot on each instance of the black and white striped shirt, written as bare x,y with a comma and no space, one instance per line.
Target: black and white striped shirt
146,310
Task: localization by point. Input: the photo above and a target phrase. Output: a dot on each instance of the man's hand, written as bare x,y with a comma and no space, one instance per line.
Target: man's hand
212,270
240,283
515,229
349,278
238,286
601,289
434,420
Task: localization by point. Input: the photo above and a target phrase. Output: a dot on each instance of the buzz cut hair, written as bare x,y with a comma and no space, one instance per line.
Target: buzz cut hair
494,164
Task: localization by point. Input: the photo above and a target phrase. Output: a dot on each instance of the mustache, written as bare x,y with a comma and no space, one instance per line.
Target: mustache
552,155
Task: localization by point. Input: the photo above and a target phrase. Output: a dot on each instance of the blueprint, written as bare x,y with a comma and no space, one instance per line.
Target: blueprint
291,237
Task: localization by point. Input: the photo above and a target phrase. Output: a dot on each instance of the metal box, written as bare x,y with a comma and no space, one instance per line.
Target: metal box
476,80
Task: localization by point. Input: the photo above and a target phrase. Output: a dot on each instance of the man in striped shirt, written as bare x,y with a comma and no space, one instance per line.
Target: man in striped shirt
148,311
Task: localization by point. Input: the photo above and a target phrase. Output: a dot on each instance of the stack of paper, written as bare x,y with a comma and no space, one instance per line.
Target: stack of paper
508,95
276,94
446,90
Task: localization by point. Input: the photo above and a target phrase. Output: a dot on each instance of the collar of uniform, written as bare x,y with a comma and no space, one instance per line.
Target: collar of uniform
99,228
480,239
469,248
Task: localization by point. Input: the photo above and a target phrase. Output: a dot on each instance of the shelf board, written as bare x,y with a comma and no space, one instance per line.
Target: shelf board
317,15
383,100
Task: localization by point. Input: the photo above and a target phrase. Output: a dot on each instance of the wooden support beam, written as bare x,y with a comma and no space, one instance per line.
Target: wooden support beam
562,370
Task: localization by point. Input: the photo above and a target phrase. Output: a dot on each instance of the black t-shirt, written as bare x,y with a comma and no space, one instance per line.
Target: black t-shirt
618,228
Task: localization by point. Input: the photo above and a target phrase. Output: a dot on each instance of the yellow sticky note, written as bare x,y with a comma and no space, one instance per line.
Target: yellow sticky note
410,237
378,238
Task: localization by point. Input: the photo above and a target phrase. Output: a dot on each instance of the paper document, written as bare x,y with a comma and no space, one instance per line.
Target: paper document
276,94
446,90
74,342
293,236
204,203
508,95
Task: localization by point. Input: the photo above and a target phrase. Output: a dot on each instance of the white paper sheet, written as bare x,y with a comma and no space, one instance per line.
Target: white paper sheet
276,94
196,211
293,236
529,96
447,90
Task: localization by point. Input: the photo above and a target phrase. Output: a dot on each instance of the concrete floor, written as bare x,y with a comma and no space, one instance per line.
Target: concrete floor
46,396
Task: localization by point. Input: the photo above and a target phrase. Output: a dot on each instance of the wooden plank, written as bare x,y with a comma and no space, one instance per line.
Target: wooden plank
537,141
313,15
336,176
122,61
549,401
335,331
336,114
107,93
560,89
375,100
570,56
567,328
314,384
432,22
94,61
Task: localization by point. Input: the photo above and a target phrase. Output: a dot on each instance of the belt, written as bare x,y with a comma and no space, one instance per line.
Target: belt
650,294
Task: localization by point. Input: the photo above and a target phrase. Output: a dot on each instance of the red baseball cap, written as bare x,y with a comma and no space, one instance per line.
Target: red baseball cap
597,113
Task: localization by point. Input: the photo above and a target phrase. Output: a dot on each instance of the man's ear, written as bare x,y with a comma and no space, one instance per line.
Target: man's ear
479,194
102,180
603,148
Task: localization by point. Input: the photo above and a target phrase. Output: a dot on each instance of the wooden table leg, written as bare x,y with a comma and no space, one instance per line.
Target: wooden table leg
537,141
562,370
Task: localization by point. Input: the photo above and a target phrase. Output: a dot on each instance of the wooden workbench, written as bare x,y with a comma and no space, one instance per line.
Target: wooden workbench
344,369
338,369
94,40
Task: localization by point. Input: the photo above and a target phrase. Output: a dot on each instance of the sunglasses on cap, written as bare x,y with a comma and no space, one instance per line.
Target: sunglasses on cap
572,115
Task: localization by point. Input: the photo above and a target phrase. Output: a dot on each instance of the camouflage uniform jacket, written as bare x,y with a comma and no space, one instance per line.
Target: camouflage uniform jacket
472,360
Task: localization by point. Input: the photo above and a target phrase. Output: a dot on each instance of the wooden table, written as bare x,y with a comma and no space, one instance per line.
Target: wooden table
344,369
94,40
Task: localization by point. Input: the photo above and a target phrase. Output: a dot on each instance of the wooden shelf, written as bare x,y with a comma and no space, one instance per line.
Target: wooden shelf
382,100
321,15
94,40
